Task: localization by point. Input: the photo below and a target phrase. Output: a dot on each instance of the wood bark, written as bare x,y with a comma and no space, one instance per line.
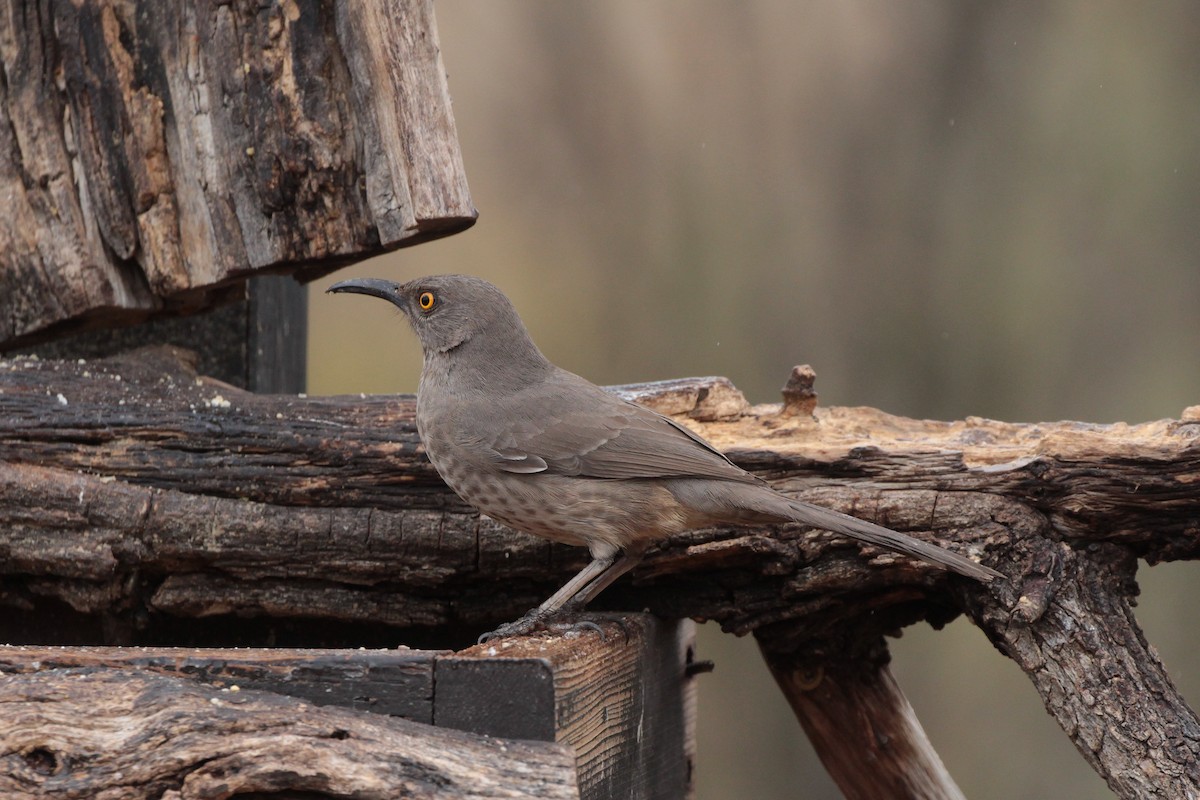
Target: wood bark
112,735
155,154
855,715
1096,673
132,490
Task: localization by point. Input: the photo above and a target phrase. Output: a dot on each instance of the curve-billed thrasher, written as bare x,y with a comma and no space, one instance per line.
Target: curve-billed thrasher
544,451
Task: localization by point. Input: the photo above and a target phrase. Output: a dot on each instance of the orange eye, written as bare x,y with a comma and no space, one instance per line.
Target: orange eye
426,300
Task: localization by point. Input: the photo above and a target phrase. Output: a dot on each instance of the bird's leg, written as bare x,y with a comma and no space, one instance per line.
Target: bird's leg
594,571
535,617
576,593
630,558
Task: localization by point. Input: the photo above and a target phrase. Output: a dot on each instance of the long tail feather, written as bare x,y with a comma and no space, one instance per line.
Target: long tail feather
877,534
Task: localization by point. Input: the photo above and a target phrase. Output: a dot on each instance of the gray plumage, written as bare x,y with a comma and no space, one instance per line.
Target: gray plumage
547,452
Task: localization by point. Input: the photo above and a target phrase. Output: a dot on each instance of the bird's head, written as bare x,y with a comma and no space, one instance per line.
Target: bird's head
447,311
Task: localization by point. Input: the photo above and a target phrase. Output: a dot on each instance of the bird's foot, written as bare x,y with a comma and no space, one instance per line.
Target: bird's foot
526,624
533,621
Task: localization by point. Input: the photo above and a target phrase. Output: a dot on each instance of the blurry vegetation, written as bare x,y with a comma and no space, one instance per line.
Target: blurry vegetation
948,209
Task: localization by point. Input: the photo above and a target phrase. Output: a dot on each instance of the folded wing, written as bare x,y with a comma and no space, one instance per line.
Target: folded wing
606,437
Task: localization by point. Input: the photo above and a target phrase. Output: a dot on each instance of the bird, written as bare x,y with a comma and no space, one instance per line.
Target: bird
545,451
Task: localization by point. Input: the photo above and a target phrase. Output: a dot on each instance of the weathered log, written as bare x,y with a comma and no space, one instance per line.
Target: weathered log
145,487
141,491
157,153
112,735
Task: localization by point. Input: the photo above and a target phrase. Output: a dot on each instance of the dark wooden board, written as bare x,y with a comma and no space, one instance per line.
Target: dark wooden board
394,682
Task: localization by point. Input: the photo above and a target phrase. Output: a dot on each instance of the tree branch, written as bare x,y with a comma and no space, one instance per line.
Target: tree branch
1096,673
855,714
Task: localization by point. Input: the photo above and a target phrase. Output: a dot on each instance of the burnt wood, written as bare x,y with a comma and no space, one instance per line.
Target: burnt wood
398,683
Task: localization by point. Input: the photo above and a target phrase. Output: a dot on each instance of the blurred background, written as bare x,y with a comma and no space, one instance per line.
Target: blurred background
948,209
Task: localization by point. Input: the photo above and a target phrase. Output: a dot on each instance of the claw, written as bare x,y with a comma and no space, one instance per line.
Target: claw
576,627
533,621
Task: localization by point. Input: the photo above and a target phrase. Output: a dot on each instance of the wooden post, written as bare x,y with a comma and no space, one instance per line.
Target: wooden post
276,336
625,702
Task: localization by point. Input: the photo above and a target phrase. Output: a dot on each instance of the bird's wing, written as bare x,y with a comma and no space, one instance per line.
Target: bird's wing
592,433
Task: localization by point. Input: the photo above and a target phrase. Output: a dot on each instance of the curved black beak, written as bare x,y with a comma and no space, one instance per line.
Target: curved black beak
388,290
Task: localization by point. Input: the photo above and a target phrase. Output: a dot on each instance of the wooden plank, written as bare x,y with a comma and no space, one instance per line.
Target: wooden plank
624,701
394,682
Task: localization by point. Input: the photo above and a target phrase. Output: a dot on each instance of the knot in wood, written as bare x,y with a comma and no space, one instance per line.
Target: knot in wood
41,760
799,397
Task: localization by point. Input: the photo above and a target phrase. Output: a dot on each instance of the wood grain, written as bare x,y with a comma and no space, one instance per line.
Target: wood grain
623,701
159,153
118,735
